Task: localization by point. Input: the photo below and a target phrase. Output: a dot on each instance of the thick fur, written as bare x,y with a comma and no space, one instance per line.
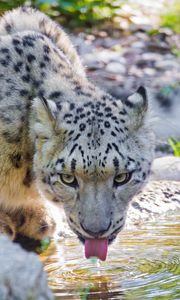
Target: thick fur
54,121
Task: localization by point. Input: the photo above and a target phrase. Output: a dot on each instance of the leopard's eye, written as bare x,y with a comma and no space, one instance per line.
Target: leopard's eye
122,178
69,179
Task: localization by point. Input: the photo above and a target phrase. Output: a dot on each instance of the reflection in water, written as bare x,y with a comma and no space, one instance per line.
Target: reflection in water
144,263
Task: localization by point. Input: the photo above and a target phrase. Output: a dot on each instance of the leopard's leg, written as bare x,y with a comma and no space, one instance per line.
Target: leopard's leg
7,225
35,222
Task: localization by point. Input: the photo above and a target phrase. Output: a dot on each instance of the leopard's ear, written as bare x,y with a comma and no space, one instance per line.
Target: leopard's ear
137,106
43,117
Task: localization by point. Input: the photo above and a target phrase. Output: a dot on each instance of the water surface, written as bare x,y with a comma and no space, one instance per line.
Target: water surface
144,263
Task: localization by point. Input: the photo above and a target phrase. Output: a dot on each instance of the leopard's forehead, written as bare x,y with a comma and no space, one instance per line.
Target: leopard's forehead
94,119
96,137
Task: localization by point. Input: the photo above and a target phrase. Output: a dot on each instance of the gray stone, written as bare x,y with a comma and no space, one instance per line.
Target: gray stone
151,56
21,274
142,36
166,168
133,70
116,67
166,110
138,44
149,71
120,59
158,198
109,42
94,65
166,65
108,55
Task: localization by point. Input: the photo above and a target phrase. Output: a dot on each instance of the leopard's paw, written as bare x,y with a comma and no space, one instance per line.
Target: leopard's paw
36,223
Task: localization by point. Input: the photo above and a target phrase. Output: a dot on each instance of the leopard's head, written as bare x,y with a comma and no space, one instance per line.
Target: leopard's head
93,156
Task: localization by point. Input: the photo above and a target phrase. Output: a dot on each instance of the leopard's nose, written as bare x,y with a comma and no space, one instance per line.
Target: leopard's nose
96,232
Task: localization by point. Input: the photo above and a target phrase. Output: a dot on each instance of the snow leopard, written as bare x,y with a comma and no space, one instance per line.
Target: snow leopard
63,140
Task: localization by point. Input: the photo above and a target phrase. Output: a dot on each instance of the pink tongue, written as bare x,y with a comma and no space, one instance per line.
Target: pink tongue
96,247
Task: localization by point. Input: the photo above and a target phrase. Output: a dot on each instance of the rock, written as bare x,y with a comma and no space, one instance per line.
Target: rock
161,47
120,60
134,27
166,31
138,44
106,55
149,71
103,57
142,63
94,65
166,109
142,36
133,70
132,55
109,42
21,274
157,198
151,56
166,168
166,65
116,67
82,43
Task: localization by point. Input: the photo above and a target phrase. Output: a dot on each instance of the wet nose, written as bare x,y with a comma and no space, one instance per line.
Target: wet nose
96,232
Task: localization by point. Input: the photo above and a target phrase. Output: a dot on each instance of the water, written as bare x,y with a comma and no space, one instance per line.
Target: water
144,263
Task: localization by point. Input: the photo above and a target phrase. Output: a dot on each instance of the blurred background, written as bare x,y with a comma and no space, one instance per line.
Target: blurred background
124,44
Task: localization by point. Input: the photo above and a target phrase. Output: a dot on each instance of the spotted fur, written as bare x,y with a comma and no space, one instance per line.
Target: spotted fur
54,121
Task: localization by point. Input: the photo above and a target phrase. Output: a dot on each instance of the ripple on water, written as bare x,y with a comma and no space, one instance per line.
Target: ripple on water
144,263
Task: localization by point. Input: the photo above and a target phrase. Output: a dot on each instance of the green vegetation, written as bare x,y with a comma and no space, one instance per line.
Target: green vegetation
175,144
72,12
176,52
30,296
5,4
85,291
90,12
172,18
44,244
79,12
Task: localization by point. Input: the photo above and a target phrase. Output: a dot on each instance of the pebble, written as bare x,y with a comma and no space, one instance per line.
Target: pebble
149,71
166,168
151,56
116,67
138,44
166,64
